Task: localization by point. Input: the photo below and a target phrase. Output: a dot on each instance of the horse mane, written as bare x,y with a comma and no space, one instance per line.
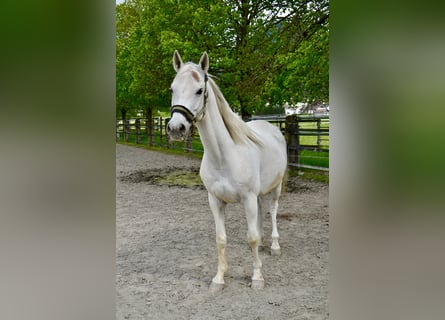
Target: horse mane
236,127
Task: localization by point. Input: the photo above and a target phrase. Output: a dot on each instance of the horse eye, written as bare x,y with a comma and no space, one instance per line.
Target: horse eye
199,91
171,90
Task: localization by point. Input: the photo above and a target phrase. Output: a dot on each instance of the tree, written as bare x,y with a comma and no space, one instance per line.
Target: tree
266,34
304,73
126,18
140,69
261,51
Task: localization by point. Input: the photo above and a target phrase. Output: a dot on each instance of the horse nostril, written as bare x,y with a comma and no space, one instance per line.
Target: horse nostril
182,128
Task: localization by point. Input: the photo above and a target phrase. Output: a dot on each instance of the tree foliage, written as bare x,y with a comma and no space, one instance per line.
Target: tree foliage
260,51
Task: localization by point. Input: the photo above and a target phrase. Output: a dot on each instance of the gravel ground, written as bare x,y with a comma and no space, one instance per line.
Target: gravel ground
166,254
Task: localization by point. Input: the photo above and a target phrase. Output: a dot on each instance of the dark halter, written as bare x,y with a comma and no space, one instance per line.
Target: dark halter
187,113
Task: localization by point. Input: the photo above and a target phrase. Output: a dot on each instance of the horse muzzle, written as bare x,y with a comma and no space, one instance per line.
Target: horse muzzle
178,128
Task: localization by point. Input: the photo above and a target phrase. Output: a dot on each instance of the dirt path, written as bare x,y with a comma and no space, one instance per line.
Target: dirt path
166,254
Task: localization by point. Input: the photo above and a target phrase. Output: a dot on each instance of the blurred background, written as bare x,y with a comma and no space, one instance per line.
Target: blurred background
59,97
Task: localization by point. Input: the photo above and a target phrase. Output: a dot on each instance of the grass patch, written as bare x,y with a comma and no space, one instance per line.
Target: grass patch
186,179
309,174
314,158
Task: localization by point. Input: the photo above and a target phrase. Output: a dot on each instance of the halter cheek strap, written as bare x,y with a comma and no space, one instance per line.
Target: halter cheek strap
187,113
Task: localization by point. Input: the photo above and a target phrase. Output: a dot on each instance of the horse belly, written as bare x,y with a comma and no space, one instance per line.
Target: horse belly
273,158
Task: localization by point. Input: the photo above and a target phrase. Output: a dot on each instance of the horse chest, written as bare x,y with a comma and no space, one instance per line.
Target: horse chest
222,187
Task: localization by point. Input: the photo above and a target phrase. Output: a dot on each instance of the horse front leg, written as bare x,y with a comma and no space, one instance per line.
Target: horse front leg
254,238
218,209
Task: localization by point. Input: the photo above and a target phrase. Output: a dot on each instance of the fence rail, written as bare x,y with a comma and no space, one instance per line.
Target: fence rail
307,137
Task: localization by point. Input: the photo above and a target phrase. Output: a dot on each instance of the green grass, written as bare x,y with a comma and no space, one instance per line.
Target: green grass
182,179
314,158
309,174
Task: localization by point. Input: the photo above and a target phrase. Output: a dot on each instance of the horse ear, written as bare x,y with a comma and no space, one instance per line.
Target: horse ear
177,61
204,62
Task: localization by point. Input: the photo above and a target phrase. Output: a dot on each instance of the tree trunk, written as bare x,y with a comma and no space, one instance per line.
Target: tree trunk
245,114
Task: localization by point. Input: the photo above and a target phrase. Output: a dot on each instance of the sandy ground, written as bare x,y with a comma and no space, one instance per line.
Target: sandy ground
166,253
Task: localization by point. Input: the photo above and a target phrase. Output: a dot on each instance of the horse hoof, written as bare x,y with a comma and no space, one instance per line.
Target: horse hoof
216,287
257,284
275,252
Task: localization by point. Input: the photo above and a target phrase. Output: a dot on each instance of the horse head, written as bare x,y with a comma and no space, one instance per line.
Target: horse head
189,95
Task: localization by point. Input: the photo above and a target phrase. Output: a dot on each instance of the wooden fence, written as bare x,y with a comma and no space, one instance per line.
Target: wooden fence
307,137
298,129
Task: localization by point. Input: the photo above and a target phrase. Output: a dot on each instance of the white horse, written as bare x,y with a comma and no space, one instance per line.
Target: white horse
242,162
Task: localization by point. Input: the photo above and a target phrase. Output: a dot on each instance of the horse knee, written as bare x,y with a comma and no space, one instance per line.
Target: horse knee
253,236
254,242
221,240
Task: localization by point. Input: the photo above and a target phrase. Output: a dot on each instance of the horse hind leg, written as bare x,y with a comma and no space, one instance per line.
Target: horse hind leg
275,249
254,239
262,210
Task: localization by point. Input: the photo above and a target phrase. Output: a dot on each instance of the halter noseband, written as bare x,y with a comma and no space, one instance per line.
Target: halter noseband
187,113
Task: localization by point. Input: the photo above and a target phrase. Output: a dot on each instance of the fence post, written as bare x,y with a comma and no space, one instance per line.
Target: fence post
293,139
127,129
149,133
167,138
188,141
318,134
146,131
160,130
117,131
138,130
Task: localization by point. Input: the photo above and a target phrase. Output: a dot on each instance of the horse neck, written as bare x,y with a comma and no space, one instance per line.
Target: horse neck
213,132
